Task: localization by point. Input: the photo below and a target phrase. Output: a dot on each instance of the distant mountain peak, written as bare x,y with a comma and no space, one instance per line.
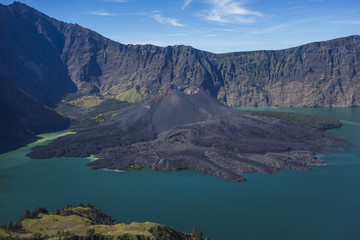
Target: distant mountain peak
19,5
16,3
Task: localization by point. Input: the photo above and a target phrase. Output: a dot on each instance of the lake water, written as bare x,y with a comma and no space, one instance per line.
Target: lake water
323,204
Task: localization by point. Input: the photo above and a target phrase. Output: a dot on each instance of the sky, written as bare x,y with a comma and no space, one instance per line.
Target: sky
217,26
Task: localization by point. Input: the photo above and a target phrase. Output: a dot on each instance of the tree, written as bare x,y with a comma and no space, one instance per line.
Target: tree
194,230
10,226
90,232
26,214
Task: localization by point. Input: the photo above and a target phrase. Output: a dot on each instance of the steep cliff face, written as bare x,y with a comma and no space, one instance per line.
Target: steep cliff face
97,64
48,59
317,74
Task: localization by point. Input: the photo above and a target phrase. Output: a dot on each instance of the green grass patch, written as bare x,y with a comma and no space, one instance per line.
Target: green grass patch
86,101
87,117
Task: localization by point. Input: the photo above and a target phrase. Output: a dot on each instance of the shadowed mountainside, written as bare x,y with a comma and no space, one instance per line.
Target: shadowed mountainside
31,54
187,129
48,59
22,117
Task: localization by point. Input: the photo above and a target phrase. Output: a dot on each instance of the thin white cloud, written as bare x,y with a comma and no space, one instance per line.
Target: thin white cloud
186,3
212,35
166,20
227,30
119,1
296,7
269,29
230,11
349,22
102,13
132,14
178,34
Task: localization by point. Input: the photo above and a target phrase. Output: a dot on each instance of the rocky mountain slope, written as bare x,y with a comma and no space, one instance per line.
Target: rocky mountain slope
31,54
48,59
22,117
184,128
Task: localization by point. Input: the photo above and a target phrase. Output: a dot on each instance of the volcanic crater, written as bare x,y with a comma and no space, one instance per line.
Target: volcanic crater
184,128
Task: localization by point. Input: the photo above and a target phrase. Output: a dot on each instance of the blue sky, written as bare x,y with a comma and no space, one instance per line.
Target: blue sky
212,25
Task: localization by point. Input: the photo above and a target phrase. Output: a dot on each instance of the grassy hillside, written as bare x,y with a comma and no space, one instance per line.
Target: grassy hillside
86,222
89,111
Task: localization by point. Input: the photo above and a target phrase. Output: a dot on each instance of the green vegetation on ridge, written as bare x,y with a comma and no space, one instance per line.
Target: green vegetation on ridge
86,222
86,101
86,117
300,119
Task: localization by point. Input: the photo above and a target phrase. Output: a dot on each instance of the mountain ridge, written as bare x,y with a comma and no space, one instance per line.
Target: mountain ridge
319,74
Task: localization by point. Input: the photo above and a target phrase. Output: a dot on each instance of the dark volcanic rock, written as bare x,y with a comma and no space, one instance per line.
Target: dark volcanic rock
47,58
22,117
185,128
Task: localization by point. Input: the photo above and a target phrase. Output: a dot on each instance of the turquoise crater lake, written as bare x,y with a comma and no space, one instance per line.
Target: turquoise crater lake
323,204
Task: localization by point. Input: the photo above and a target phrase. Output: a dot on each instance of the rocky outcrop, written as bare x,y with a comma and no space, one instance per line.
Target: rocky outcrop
48,59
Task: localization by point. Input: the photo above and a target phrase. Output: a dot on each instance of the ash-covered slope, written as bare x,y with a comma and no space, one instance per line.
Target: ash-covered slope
185,128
